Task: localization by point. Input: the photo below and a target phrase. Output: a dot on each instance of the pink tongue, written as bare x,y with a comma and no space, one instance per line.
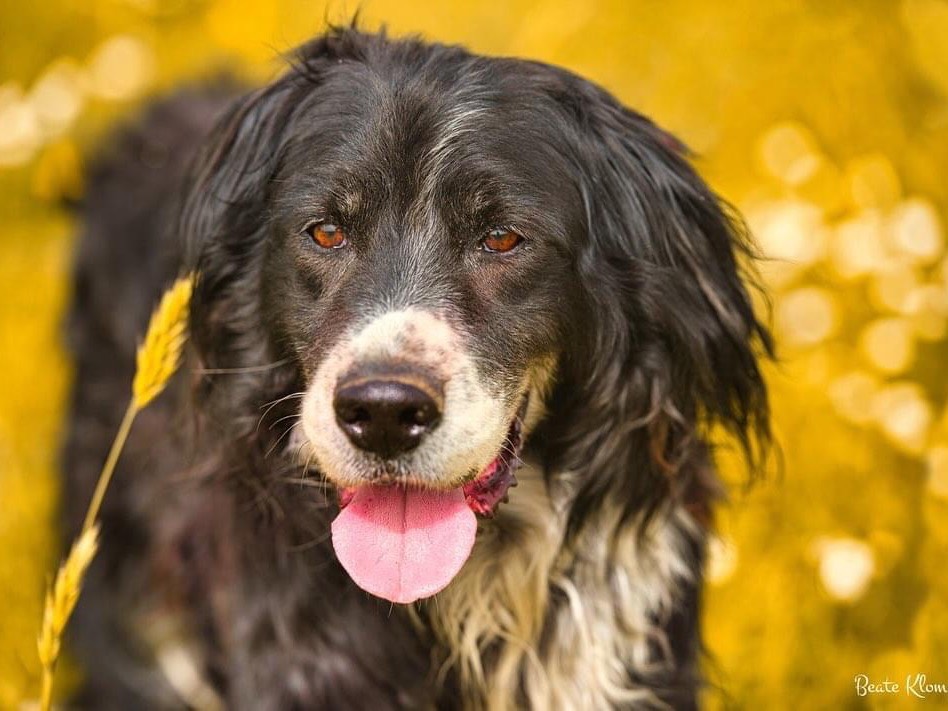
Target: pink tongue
404,544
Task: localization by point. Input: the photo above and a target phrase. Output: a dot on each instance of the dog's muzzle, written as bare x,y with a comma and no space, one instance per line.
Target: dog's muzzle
418,443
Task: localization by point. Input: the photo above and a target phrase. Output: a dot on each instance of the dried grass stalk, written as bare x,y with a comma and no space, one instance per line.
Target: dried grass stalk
60,601
159,355
157,359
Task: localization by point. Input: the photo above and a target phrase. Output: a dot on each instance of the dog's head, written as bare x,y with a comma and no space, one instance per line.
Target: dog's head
446,251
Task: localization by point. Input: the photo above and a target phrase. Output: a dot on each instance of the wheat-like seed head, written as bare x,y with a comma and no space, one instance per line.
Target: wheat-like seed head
157,359
159,354
61,598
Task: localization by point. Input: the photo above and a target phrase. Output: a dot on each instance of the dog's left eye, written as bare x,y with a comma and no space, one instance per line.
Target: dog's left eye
327,235
500,240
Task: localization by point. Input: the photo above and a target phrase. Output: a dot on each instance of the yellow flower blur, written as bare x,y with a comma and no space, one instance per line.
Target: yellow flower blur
826,124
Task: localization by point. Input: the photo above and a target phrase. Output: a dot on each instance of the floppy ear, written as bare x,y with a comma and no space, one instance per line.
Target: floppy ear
671,342
224,215
224,224
223,218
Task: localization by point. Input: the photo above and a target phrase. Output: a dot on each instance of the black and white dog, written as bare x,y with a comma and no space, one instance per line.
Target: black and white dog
425,277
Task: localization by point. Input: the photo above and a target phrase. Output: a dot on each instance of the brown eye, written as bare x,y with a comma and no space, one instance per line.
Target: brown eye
327,235
501,240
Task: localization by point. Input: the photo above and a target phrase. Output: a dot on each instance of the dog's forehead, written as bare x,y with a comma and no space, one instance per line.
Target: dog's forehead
473,138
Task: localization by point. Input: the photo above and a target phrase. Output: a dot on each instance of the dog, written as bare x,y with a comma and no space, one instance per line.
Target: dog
460,332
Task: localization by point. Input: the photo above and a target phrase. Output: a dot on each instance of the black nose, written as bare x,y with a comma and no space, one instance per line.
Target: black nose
386,415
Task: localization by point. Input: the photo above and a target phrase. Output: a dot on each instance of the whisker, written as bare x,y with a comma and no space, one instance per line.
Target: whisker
306,465
299,450
306,481
246,369
278,400
283,419
505,447
280,439
273,403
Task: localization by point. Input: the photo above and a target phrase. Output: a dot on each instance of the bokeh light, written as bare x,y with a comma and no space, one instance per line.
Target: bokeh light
846,567
938,471
120,68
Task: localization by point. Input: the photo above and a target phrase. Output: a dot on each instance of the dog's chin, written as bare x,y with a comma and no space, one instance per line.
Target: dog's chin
402,542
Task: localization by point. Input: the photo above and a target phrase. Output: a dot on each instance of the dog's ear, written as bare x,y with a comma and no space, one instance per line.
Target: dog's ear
223,221
671,341
229,177
224,215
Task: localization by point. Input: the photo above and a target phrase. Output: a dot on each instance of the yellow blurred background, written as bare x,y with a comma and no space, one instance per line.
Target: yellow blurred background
826,123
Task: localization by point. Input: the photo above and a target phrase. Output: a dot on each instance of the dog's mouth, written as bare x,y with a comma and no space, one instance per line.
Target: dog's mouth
403,543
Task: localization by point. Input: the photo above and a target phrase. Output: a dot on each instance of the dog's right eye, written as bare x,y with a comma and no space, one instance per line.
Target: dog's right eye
500,240
326,235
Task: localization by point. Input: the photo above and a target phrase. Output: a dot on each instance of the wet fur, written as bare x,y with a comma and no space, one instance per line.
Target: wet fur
216,567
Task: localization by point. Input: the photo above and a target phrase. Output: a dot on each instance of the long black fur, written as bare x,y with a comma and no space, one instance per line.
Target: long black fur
641,297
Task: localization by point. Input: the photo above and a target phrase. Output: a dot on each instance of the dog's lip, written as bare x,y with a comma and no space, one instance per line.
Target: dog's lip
485,491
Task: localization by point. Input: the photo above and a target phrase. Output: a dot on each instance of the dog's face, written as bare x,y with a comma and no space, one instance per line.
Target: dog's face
448,248
419,266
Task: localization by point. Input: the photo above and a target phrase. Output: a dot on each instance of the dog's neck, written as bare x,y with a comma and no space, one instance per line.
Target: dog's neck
533,622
